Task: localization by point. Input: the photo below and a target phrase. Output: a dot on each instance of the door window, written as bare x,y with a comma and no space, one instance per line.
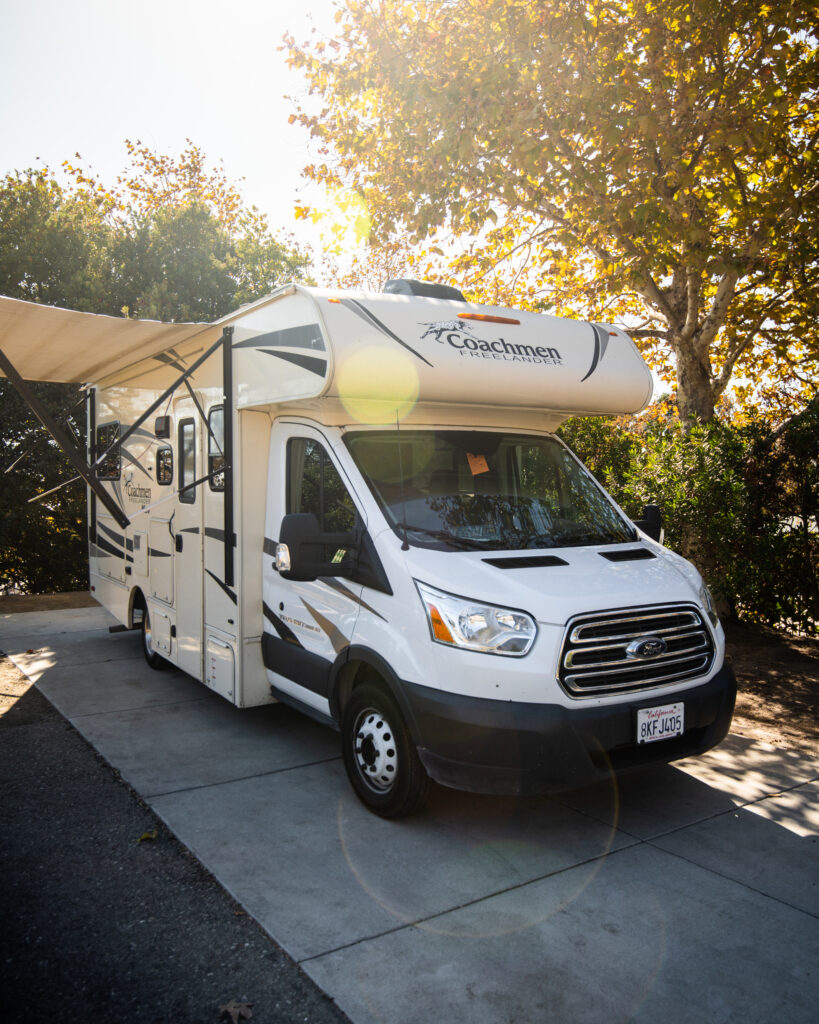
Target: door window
216,448
314,485
187,461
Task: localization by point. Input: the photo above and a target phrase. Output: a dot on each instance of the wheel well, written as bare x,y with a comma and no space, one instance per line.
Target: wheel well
354,674
366,666
138,603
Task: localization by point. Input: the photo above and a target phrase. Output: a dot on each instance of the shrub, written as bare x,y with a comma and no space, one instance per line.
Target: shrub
740,502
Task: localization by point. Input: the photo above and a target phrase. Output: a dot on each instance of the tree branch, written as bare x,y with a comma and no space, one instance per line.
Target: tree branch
719,307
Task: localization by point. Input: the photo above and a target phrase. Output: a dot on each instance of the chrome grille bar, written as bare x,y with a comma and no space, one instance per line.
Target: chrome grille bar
573,658
598,654
691,619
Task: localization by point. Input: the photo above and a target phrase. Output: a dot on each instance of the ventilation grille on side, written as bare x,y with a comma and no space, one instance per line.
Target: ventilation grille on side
612,652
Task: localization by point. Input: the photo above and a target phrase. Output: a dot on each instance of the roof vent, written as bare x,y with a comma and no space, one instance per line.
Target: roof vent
425,289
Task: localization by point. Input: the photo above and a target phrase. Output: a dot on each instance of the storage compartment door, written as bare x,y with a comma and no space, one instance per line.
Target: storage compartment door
220,667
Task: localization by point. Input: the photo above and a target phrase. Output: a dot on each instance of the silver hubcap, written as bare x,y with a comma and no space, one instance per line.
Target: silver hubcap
375,750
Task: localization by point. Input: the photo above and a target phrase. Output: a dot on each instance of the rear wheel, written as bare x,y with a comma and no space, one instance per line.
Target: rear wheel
156,661
381,761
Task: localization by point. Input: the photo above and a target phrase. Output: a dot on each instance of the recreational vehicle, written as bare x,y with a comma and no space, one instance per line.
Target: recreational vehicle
357,505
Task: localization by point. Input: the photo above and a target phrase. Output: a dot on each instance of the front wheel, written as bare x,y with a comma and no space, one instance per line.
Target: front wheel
380,758
156,661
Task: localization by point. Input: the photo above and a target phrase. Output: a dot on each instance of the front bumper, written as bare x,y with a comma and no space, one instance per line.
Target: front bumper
492,746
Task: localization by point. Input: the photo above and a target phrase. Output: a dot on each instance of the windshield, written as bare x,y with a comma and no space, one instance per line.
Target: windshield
484,490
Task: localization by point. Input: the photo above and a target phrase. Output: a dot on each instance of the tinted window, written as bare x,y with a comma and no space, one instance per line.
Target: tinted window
216,448
164,465
187,461
109,468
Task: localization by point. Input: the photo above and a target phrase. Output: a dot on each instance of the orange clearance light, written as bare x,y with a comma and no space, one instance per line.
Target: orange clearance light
487,318
334,300
439,627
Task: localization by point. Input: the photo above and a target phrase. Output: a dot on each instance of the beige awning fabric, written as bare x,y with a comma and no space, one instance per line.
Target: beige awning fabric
44,343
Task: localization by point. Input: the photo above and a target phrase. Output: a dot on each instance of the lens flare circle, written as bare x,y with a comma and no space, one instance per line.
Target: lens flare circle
378,384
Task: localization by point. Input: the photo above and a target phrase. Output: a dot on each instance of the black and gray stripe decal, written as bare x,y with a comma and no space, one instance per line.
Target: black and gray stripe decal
334,634
361,310
213,534
309,363
117,538
601,341
230,593
103,545
339,588
308,336
139,432
284,631
129,458
156,553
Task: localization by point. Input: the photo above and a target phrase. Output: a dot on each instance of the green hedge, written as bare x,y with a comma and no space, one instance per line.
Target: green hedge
740,502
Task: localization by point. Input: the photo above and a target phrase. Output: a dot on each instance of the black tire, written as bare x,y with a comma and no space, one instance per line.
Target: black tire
154,660
380,758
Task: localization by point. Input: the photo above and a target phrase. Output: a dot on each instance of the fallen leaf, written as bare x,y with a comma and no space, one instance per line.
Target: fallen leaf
236,1011
148,836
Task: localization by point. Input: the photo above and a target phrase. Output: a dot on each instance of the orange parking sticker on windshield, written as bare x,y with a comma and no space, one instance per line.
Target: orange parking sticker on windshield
477,463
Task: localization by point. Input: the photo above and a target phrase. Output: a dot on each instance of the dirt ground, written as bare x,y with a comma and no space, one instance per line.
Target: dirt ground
778,676
778,686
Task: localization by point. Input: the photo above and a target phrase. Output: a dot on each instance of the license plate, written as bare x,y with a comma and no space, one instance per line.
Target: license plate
660,723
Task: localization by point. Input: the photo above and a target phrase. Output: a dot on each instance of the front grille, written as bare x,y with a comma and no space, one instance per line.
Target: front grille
596,659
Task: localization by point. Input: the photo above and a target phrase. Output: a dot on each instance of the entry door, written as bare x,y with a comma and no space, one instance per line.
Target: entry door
307,625
186,528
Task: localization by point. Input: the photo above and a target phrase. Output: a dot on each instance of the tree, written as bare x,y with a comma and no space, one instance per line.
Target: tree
55,244
171,240
653,160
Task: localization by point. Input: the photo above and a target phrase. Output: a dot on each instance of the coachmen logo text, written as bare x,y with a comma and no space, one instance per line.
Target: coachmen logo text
457,334
135,493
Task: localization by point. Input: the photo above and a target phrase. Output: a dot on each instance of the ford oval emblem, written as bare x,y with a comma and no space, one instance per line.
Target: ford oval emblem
646,647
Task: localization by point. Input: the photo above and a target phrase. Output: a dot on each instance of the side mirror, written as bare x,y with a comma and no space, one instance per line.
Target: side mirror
651,523
304,552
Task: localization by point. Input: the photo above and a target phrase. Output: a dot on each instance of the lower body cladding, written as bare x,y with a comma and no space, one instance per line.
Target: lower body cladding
506,747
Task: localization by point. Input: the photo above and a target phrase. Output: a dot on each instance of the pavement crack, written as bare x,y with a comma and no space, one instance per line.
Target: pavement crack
241,778
469,903
735,881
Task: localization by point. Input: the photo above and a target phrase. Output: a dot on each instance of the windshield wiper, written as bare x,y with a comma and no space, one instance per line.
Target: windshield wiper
546,540
449,538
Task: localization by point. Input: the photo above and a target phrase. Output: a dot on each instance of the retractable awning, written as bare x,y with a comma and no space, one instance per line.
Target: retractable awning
45,343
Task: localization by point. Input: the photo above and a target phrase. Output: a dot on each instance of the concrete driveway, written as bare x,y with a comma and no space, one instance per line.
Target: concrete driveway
685,893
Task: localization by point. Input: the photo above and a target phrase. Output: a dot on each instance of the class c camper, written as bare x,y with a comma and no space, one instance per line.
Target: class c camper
357,505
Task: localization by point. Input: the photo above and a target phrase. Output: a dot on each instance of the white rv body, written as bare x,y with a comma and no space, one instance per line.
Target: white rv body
334,384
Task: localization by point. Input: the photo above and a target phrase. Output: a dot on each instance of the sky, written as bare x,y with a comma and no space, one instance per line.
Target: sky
81,76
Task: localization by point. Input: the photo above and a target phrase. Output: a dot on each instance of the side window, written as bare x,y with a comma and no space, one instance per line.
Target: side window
164,465
314,485
110,468
187,461
216,448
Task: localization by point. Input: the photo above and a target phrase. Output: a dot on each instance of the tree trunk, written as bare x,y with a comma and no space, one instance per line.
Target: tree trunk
695,390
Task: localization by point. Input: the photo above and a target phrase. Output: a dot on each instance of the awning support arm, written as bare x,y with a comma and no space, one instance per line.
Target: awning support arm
155,405
63,440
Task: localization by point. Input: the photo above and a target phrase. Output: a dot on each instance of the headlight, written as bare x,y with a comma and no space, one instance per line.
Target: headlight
707,601
459,622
